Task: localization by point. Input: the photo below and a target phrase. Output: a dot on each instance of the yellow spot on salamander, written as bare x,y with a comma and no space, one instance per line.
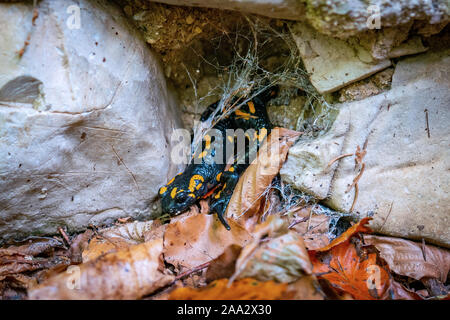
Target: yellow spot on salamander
251,107
244,115
218,176
201,155
162,190
231,169
191,195
171,180
193,183
217,196
173,193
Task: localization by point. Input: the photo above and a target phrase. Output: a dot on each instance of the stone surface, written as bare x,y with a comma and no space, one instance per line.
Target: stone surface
405,184
282,9
371,86
307,165
338,18
85,119
286,115
350,17
389,42
333,63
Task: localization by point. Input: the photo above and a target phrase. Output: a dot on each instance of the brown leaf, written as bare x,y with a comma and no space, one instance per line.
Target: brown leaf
313,227
358,227
306,288
79,244
246,204
283,259
195,239
244,289
32,247
130,273
407,258
274,254
224,265
100,245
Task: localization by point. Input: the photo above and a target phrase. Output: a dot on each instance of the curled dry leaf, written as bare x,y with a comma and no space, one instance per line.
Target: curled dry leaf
224,265
134,232
412,259
244,289
195,239
79,244
126,274
246,204
34,255
283,259
274,254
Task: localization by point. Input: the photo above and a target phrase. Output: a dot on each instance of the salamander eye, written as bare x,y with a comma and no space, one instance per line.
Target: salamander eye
181,197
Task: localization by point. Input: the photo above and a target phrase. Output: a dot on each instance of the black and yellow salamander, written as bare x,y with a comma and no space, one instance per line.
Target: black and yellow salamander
211,167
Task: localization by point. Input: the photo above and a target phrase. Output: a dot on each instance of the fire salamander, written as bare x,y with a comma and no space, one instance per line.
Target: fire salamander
208,172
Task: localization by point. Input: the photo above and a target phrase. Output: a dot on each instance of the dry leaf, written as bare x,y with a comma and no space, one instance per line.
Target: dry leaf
224,265
412,259
358,227
244,289
195,239
133,232
101,245
246,204
312,227
346,270
283,259
126,274
306,288
35,254
79,244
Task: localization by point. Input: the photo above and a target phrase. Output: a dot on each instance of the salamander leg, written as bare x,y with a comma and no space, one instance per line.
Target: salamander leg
228,179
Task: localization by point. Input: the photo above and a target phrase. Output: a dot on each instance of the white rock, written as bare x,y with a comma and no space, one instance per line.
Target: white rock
307,164
338,18
333,63
85,118
405,183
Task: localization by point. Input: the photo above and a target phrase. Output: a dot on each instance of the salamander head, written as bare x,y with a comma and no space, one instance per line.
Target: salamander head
181,192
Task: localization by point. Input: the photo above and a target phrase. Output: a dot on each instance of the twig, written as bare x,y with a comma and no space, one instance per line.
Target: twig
189,272
295,222
356,179
338,158
64,235
355,197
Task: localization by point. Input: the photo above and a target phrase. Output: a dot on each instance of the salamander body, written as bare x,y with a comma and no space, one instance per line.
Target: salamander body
213,166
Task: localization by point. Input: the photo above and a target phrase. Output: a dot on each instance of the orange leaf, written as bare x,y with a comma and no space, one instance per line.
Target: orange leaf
359,227
195,239
347,271
247,201
129,273
244,289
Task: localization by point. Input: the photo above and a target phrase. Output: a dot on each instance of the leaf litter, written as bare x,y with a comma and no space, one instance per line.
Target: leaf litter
295,253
